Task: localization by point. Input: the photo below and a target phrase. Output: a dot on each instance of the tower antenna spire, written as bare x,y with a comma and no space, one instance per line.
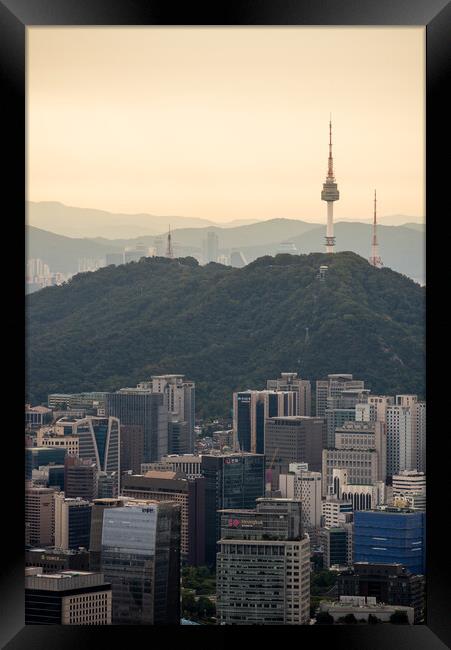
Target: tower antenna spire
375,259
330,194
169,250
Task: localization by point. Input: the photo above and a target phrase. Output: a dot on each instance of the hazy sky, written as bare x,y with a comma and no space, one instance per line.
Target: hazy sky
227,123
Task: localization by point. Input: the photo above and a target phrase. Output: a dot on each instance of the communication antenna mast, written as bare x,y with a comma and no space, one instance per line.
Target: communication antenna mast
169,251
375,259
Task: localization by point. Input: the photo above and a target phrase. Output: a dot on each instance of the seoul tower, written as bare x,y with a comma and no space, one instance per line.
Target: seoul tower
375,260
330,194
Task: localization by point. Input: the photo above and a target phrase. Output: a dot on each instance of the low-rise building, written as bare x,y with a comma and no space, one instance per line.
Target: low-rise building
362,607
67,598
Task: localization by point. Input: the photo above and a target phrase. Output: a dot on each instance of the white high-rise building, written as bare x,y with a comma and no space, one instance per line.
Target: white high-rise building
406,435
410,485
375,409
306,486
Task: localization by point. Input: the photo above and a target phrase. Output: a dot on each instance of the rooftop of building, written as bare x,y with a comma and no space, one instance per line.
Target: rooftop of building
64,580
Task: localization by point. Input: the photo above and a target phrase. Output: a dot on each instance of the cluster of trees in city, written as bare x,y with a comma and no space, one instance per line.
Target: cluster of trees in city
198,586
227,329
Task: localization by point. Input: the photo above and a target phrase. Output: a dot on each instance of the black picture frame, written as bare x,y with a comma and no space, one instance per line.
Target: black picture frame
15,16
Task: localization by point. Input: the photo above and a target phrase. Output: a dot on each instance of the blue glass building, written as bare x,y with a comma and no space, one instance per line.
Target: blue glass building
391,535
36,457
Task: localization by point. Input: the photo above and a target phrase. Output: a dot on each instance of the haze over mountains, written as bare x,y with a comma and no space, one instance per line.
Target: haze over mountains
86,222
401,247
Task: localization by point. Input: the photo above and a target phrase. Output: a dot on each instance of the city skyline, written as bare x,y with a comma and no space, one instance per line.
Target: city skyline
226,123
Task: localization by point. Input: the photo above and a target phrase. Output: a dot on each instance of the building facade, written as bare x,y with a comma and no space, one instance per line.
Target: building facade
294,439
289,381
189,493
141,560
233,480
142,407
72,522
67,598
263,566
391,536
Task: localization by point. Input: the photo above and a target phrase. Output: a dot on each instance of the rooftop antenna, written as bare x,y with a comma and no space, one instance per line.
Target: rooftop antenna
169,251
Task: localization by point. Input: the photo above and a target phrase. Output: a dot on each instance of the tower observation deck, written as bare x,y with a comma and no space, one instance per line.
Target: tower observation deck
330,194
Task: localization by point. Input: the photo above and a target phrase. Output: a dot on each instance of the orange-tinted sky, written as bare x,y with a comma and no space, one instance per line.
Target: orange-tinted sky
227,123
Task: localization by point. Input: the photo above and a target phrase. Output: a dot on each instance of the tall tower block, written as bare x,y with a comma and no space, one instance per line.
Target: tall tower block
330,194
375,260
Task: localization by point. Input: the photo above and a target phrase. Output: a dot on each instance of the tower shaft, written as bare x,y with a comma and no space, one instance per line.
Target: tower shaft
330,194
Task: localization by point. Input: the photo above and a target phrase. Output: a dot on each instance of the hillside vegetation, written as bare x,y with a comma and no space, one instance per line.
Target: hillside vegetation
227,328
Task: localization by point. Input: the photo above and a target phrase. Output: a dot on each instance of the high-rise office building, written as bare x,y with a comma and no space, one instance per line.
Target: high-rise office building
388,583
179,394
289,381
142,407
81,478
49,476
107,485
210,247
374,409
420,435
333,386
36,457
337,417
294,439
72,522
362,465
332,508
233,480
391,535
98,440
141,560
37,416
411,486
132,447
39,515
189,493
401,439
54,437
95,538
336,543
252,408
67,598
263,565
365,436
179,439
188,464
306,486
406,430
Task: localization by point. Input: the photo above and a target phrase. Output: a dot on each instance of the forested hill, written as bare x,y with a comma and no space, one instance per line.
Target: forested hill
227,328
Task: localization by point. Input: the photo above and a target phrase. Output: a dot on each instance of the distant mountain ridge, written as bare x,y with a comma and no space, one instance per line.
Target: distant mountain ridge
80,223
76,222
227,329
401,247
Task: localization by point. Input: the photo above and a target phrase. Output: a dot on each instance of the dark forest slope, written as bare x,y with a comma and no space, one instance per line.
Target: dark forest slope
227,328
